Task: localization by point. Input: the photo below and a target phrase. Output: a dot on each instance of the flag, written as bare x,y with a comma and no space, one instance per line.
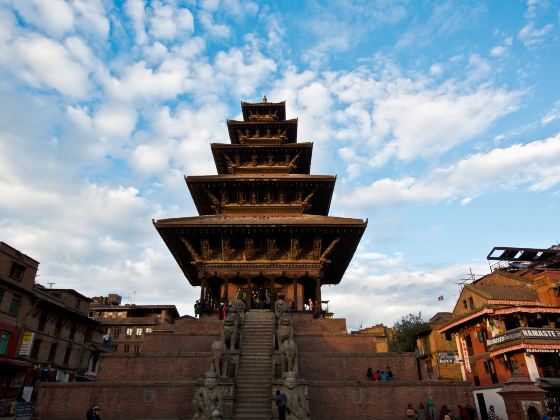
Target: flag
440,297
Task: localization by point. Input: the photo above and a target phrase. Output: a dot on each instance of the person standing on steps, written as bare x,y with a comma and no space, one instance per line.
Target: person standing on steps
281,404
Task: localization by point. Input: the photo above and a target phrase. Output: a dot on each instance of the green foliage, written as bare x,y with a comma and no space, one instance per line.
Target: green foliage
406,330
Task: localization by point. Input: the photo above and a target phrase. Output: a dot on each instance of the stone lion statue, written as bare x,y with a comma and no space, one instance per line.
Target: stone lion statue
284,330
289,357
217,351
229,331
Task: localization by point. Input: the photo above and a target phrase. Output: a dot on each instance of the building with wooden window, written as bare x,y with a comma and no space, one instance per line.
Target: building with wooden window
507,324
125,326
437,356
45,334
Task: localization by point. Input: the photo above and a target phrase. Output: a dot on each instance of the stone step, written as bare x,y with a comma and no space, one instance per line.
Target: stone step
256,368
250,388
260,369
253,381
258,333
252,408
256,397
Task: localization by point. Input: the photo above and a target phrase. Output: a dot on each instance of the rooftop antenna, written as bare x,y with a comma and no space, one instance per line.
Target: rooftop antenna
469,278
50,285
133,297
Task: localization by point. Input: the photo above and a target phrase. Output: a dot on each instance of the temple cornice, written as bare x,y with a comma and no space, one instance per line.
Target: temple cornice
262,132
241,159
218,194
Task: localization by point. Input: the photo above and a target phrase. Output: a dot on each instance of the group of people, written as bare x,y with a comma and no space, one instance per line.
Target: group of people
380,375
202,307
428,412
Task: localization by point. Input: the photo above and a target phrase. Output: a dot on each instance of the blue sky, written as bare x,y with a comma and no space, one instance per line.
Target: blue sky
441,120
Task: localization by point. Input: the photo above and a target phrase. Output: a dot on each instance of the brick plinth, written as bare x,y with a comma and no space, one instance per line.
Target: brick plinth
169,367
117,400
353,366
361,400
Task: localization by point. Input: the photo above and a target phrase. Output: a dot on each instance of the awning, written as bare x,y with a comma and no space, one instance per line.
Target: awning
15,362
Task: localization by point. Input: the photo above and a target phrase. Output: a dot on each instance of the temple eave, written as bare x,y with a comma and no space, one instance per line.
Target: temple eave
277,221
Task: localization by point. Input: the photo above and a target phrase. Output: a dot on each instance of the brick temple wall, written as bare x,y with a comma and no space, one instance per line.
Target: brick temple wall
316,366
117,400
161,367
357,400
160,382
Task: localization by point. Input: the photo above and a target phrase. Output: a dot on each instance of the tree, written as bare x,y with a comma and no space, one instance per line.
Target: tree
406,330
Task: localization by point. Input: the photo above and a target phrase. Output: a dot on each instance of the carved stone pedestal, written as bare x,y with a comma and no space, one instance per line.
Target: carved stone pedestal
523,398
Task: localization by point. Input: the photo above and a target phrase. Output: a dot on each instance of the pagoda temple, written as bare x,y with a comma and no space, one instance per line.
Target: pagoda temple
263,235
263,228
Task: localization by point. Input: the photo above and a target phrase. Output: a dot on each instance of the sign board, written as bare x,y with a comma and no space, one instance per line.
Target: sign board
26,343
448,358
523,332
24,410
465,355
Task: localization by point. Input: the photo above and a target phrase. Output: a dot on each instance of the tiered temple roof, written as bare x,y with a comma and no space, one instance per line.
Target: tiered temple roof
263,218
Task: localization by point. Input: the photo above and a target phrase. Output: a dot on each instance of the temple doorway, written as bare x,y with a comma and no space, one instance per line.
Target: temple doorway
309,285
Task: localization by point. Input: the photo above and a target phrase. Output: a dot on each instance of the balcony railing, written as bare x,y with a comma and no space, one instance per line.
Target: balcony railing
522,333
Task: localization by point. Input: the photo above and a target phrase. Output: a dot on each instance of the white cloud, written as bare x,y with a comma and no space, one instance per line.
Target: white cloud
436,69
498,51
45,63
401,291
140,82
137,13
151,158
532,36
552,115
54,16
242,70
216,30
417,120
91,18
115,120
167,22
534,166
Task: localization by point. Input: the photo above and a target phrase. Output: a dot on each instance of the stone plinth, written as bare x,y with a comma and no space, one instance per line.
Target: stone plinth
522,396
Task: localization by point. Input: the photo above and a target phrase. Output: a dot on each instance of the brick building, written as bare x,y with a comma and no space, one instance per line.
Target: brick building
437,356
506,324
45,334
382,337
125,326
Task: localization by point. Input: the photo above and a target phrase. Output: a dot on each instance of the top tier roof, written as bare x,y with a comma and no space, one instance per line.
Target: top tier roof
264,111
263,123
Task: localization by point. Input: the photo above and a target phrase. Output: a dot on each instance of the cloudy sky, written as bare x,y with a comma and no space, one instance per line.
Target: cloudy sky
441,120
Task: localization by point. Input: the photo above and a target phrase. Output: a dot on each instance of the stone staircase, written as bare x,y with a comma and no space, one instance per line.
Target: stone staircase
253,381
